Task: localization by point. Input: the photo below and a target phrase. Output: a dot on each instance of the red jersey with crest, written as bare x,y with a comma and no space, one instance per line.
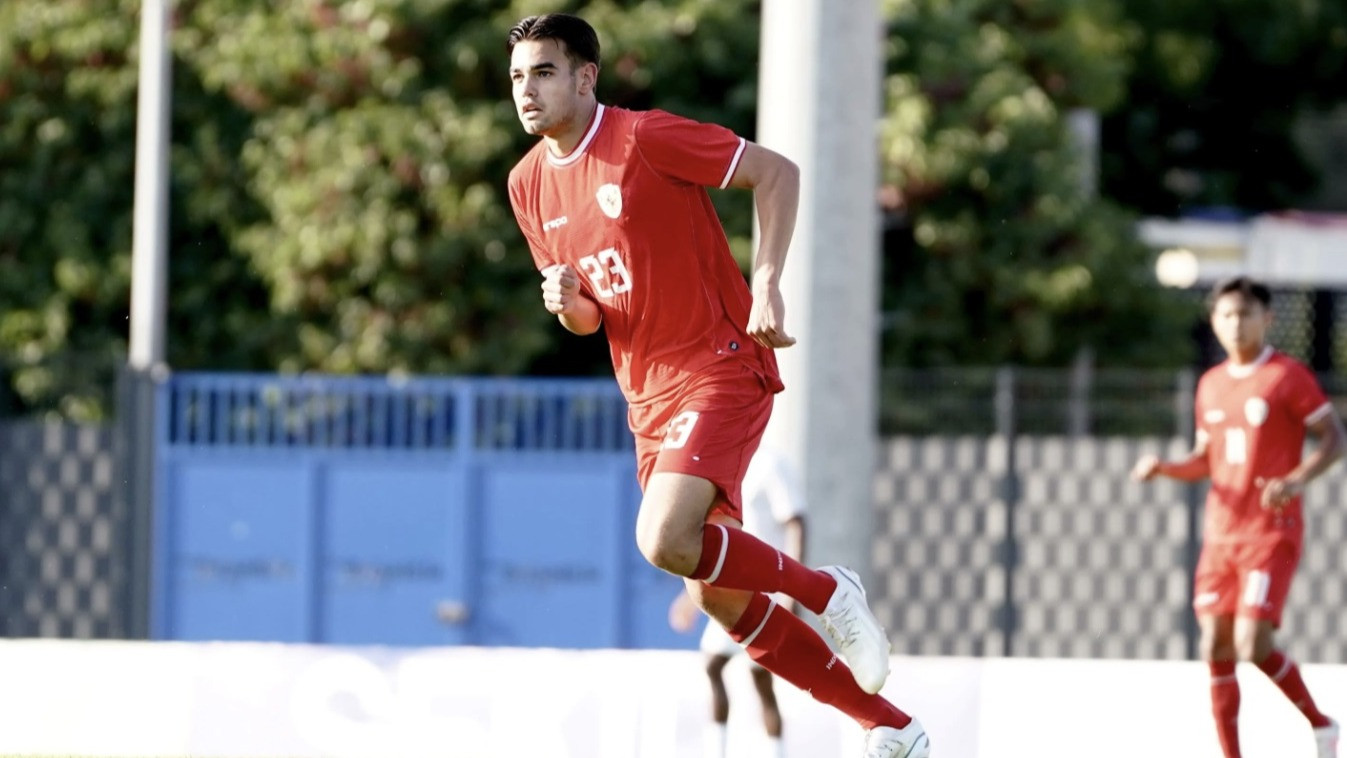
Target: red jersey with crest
1254,420
628,211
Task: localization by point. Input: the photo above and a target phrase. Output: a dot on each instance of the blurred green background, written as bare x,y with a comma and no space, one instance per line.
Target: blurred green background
338,175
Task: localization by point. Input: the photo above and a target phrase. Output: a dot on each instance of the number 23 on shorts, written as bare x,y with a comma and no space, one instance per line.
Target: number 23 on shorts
680,429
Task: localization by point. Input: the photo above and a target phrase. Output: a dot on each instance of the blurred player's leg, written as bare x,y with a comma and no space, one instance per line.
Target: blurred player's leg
1286,675
771,711
716,644
720,706
1269,568
1218,650
1225,706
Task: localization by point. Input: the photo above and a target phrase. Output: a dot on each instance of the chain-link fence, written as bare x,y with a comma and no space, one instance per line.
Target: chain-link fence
1007,524
73,525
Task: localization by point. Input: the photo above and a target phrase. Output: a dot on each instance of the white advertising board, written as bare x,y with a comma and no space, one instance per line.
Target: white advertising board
237,700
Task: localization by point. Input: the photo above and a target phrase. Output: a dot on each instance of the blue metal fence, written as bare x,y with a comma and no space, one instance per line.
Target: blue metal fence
389,511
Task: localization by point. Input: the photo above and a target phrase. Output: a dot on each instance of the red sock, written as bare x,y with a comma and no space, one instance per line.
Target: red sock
784,645
1225,705
1286,675
736,560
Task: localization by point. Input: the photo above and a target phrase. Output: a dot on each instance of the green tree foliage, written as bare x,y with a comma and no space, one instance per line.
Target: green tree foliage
338,171
338,176
1215,91
1012,261
66,165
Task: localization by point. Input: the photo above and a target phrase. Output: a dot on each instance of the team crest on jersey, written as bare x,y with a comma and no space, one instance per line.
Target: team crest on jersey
1255,410
610,200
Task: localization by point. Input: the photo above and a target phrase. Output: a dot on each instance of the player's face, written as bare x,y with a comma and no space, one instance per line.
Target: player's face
547,91
1240,324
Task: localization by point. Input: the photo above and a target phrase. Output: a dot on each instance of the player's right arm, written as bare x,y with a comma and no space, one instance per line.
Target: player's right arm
561,287
562,297
1192,467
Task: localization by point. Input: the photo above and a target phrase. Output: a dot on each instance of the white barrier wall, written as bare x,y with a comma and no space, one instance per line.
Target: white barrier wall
231,700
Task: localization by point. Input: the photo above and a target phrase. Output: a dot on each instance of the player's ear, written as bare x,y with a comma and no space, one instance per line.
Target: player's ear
588,76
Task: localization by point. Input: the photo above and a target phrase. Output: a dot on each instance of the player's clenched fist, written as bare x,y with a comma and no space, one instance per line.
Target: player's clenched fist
1146,468
561,288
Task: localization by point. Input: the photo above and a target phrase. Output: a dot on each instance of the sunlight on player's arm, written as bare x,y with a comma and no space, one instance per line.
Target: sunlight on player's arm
1330,444
1192,467
775,181
584,319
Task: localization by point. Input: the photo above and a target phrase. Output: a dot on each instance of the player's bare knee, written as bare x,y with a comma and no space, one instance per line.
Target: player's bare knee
667,546
669,553
1252,646
1217,639
1247,650
668,537
1217,650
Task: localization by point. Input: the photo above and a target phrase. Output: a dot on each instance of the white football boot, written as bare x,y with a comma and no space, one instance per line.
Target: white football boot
856,631
1326,738
909,742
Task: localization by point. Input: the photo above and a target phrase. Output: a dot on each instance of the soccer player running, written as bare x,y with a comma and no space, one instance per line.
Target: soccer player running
1253,411
773,512
614,207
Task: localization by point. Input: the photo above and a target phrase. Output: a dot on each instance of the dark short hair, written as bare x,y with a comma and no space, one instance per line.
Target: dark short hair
578,39
1245,286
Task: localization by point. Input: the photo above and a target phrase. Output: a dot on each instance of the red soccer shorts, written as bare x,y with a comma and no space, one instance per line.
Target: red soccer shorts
710,429
1250,579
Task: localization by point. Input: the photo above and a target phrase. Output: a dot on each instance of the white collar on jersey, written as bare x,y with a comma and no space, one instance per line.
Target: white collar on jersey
579,150
1241,371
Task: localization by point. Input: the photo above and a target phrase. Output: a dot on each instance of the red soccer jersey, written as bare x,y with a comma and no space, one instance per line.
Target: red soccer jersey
628,210
1254,419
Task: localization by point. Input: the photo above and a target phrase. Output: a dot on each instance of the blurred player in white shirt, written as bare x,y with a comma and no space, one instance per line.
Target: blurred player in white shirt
774,512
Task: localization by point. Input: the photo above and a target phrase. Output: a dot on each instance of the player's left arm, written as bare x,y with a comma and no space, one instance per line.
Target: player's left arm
775,182
1330,443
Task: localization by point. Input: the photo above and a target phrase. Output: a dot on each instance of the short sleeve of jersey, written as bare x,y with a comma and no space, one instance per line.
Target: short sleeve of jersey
541,258
688,151
1304,398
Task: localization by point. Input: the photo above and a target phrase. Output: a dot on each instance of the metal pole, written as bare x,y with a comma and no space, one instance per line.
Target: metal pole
1192,504
825,421
149,236
1007,429
149,275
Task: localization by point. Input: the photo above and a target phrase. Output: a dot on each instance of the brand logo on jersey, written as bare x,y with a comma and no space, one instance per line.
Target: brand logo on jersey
1214,416
1255,410
610,200
555,223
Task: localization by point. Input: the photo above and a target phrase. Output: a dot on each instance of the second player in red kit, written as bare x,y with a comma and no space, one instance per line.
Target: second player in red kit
1253,412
